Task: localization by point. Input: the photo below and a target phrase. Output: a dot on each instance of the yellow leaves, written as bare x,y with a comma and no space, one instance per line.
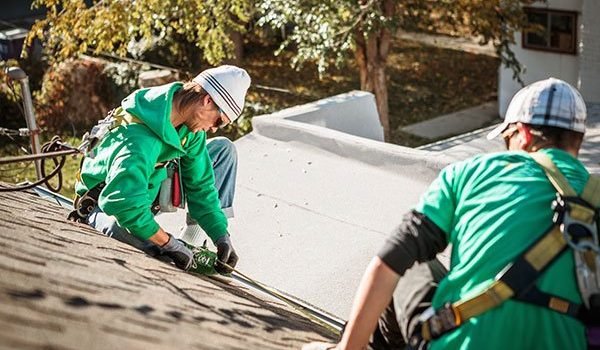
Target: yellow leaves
71,27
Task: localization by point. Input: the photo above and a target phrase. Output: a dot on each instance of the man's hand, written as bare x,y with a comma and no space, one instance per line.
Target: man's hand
178,252
226,254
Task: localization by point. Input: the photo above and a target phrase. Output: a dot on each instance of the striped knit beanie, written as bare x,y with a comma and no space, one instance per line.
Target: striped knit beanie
227,85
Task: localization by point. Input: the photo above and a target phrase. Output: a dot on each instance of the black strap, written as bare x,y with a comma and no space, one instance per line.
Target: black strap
555,303
520,275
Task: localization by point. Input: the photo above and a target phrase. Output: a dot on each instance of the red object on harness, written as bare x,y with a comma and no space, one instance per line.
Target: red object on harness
176,189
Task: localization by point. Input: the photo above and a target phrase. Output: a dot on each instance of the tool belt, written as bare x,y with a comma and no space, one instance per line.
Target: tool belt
171,195
575,226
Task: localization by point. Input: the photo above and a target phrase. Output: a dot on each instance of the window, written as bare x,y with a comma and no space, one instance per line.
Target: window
559,33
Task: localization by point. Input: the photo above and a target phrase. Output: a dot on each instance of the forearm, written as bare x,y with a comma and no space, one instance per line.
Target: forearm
160,238
373,296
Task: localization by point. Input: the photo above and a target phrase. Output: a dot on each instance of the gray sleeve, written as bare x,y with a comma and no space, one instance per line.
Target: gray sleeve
416,239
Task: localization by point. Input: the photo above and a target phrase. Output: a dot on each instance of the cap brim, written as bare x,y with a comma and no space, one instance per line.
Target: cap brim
497,131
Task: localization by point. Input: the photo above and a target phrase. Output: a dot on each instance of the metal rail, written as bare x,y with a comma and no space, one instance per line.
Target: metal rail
322,317
30,157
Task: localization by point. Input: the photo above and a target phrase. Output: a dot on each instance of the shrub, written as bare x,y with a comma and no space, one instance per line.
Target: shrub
73,96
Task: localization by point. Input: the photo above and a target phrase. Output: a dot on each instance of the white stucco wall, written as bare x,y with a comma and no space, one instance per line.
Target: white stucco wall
589,58
540,64
354,113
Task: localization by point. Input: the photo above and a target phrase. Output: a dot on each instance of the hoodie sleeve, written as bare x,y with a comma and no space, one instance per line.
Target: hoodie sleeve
126,193
199,182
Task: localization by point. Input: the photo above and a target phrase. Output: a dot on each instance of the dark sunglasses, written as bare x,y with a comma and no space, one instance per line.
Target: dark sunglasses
219,123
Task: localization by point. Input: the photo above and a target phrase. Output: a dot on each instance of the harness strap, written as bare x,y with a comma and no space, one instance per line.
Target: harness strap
553,174
512,282
591,192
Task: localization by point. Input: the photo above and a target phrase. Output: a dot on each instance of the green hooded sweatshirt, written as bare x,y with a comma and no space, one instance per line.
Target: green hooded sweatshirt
126,158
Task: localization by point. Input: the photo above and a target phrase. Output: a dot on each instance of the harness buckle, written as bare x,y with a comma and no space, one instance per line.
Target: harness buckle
443,320
578,223
577,220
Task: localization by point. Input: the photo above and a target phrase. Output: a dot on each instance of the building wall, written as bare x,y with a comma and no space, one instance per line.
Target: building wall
589,57
540,64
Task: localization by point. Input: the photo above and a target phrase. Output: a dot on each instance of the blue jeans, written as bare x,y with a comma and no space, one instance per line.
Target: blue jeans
223,154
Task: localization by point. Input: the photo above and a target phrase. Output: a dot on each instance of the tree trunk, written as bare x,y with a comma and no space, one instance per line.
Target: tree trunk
371,56
238,42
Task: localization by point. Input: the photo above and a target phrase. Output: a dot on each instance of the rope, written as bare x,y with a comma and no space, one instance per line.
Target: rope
54,145
53,149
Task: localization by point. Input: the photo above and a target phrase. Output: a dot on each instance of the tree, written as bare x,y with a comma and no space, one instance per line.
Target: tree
71,27
332,31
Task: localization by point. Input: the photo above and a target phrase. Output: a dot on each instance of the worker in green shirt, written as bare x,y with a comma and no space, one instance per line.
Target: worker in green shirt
153,127
490,209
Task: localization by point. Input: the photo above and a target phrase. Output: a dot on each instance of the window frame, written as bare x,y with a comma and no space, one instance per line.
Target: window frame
549,13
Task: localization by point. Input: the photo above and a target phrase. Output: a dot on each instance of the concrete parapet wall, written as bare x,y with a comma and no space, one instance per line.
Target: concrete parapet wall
319,124
353,112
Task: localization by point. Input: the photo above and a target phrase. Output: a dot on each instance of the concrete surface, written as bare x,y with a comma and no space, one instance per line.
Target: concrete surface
471,45
472,143
64,286
313,205
455,123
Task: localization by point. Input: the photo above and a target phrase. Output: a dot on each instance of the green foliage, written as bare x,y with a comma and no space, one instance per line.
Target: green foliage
71,27
326,31
318,28
123,79
11,91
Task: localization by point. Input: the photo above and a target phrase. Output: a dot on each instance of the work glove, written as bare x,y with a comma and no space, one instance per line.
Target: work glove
225,254
181,255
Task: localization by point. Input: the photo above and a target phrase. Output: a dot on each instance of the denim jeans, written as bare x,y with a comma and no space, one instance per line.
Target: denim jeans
224,161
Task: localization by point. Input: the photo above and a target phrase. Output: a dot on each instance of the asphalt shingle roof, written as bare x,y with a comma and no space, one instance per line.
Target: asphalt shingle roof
65,286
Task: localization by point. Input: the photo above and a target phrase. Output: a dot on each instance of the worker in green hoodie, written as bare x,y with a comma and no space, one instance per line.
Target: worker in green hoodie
123,172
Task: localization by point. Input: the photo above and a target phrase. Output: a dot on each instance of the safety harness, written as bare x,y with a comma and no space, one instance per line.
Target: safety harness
575,226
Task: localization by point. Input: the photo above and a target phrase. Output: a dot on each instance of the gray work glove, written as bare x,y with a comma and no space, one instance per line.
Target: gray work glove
225,254
181,255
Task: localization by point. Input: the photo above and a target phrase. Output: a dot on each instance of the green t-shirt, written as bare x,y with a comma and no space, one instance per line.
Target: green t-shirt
491,208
